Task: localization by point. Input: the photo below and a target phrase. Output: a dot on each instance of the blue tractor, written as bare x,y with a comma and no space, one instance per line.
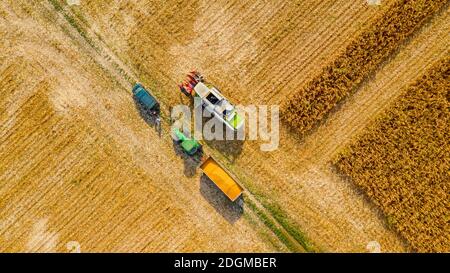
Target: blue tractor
145,98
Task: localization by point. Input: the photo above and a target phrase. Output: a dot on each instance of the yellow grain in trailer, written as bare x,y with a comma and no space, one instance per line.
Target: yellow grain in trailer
226,183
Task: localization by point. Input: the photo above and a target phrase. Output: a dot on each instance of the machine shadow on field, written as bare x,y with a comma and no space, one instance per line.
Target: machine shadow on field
231,149
150,116
229,210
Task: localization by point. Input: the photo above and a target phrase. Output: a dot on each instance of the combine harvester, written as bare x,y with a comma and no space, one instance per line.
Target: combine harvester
209,166
212,100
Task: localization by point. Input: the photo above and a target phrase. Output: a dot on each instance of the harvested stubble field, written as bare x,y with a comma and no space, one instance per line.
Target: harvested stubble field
134,193
79,166
402,161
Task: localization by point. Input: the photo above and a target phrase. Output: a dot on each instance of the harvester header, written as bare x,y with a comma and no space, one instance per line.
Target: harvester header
212,100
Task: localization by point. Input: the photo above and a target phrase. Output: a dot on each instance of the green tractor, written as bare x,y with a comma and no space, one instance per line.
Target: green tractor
189,145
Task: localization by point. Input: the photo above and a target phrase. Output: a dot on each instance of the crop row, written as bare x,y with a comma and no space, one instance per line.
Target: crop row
304,109
402,162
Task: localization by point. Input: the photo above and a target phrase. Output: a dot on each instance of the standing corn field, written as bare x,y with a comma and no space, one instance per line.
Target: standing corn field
402,162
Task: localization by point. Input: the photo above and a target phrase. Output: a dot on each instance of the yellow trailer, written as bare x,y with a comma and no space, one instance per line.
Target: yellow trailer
224,181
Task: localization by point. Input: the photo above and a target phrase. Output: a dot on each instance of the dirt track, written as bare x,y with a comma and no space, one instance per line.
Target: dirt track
81,184
310,185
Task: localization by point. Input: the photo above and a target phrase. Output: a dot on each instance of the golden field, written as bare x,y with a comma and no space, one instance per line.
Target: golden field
79,164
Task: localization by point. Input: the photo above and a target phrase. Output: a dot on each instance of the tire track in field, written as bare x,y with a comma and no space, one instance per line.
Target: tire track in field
250,76
36,195
316,151
213,223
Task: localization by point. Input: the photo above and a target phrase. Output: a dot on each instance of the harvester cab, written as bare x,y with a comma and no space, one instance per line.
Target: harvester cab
212,100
